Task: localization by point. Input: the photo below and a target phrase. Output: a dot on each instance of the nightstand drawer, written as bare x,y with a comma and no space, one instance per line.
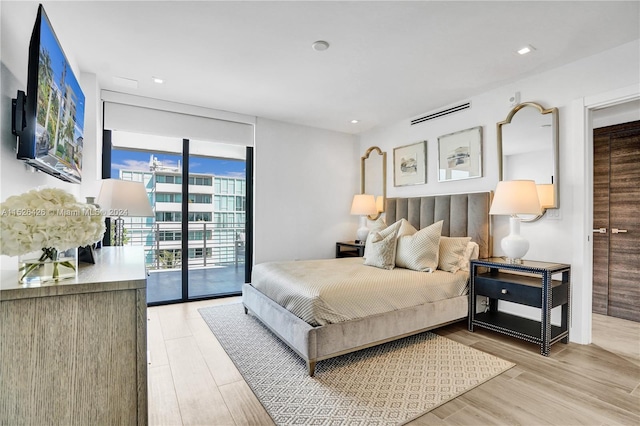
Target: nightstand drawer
511,292
519,289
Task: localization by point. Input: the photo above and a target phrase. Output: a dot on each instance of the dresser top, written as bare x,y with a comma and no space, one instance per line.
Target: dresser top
116,268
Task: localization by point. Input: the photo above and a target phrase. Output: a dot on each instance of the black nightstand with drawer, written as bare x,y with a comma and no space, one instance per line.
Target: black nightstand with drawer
349,249
529,283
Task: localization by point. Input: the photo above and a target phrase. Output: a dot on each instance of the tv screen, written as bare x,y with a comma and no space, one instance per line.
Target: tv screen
51,132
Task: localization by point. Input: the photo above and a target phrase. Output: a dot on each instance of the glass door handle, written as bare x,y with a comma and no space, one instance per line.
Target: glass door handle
618,231
601,231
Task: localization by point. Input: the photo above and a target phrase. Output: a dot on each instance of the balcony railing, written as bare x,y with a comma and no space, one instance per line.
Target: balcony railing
210,244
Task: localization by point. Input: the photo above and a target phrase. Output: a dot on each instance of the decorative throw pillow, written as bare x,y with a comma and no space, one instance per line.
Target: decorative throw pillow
391,229
451,252
471,252
376,225
419,251
381,250
406,228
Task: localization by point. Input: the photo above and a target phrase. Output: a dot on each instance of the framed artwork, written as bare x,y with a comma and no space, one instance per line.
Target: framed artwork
410,164
460,155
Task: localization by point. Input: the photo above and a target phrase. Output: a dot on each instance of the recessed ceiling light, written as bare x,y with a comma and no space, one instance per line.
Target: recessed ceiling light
526,49
320,45
355,121
157,80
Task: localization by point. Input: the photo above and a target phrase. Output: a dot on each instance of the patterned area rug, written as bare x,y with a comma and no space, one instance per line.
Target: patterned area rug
388,384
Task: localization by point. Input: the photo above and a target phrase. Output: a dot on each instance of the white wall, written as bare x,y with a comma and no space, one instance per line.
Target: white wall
92,147
551,239
305,179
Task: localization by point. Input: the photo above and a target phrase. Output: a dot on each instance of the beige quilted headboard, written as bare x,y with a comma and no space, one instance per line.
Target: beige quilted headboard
463,215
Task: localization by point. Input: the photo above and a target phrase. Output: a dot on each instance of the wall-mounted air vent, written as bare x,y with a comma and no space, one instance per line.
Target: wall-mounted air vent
442,113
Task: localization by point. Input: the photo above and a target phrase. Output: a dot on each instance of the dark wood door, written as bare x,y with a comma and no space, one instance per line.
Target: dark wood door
616,209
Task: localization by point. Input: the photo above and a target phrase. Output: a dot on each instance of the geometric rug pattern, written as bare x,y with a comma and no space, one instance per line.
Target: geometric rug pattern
389,384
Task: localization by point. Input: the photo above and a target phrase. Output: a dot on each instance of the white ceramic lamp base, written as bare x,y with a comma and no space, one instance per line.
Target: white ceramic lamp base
363,231
514,245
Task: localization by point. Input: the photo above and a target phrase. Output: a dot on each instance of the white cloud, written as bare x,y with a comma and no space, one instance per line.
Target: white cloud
233,174
132,165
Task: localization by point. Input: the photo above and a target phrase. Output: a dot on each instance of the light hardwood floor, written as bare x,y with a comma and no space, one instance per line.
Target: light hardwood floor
193,382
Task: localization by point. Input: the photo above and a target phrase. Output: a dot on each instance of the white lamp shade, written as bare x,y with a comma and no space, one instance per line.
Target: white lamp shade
363,204
380,203
124,198
515,197
546,195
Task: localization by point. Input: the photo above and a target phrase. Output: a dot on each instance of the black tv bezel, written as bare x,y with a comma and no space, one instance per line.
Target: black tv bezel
24,120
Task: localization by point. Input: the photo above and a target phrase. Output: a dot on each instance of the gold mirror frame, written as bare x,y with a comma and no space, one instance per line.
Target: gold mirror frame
384,177
554,151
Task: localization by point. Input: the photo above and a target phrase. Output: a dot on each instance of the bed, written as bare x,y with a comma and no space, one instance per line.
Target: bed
315,338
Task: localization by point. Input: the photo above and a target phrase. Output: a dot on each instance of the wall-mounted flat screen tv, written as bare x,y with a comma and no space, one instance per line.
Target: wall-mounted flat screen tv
49,119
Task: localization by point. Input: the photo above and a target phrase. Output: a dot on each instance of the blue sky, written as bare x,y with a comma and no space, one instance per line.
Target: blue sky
50,44
136,160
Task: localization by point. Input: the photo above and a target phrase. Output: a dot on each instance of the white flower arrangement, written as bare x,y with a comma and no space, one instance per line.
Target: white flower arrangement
44,219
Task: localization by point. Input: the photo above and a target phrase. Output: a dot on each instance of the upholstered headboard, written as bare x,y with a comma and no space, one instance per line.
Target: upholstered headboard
464,215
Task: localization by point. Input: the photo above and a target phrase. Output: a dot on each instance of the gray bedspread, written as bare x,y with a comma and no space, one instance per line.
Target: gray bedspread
329,291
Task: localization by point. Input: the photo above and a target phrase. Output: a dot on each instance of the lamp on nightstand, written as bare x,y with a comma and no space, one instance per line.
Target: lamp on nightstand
513,198
546,195
363,205
123,198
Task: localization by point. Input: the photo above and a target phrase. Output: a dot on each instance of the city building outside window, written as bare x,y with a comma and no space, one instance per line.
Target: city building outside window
216,229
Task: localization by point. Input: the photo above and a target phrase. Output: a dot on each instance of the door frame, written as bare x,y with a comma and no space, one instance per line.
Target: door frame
581,177
107,147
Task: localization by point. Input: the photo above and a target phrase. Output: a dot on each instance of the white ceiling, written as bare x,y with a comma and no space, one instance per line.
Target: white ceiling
387,61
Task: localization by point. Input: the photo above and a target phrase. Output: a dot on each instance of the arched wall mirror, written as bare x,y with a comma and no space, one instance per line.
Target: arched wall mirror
528,149
373,177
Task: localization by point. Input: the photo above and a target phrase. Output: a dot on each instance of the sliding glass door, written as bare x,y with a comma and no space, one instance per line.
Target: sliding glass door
217,216
196,244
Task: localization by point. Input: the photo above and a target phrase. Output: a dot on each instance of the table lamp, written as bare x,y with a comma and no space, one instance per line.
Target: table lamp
123,198
363,205
546,195
513,198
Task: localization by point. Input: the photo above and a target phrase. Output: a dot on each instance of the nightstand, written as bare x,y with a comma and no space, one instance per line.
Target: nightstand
529,283
349,249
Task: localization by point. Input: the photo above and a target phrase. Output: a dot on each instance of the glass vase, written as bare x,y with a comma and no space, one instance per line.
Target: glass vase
48,265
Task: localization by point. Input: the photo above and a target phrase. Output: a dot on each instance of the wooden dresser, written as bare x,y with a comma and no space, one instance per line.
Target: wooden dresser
74,353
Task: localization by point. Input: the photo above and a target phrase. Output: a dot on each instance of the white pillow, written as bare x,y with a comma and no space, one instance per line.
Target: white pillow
471,252
406,228
452,250
420,251
376,225
393,228
381,250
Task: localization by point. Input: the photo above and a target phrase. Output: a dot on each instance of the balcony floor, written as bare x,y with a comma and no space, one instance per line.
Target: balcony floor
166,285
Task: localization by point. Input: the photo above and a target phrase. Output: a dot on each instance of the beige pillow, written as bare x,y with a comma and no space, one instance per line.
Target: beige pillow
451,252
391,229
471,252
381,250
376,225
406,228
419,251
